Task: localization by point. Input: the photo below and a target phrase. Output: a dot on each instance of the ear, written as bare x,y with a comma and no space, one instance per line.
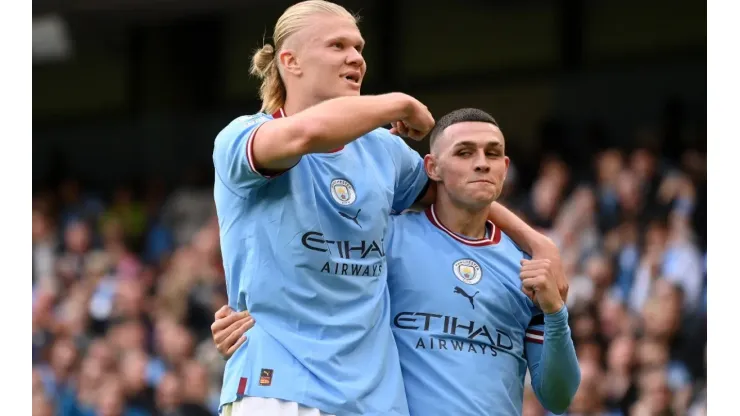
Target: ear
506,171
289,61
432,168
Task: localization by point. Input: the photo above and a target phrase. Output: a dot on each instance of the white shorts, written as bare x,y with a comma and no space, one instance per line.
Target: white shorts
261,406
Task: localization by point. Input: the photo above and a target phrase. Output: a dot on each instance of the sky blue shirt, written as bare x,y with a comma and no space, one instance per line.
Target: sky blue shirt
466,333
304,253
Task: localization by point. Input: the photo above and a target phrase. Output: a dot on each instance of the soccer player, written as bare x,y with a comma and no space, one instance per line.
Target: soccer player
466,303
303,193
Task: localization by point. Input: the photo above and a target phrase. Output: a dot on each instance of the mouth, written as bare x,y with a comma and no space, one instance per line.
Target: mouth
483,181
353,78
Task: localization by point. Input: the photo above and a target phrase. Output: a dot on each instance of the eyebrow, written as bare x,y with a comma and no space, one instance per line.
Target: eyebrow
496,144
345,39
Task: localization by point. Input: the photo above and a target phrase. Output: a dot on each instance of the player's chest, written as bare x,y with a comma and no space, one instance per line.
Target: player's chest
350,182
340,202
460,294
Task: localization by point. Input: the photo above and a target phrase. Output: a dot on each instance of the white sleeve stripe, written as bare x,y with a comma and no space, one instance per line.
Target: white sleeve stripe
250,151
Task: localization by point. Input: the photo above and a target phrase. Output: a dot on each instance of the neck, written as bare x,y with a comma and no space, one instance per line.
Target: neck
465,221
295,104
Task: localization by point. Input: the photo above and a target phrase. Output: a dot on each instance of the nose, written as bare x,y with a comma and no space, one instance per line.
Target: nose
355,58
481,163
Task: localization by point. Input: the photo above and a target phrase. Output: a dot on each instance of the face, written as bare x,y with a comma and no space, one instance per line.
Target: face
643,163
584,326
196,389
652,353
129,298
63,356
655,391
40,226
609,166
168,392
102,351
597,268
77,237
91,373
324,60
111,401
133,370
628,190
469,162
589,351
589,392
621,353
612,315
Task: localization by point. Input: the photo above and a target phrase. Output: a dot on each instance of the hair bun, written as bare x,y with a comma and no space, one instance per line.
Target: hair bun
267,49
263,60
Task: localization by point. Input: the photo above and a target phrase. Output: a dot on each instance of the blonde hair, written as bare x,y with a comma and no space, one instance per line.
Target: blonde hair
265,62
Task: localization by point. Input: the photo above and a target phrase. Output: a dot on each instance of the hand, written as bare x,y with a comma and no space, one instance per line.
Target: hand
417,124
549,250
228,329
540,285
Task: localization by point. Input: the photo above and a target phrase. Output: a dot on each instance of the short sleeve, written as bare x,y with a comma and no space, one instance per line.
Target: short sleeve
232,154
411,178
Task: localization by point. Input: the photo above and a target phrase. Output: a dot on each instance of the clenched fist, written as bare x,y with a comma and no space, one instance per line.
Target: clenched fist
540,284
417,123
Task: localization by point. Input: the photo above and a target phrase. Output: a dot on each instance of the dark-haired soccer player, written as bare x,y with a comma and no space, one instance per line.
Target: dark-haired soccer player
470,311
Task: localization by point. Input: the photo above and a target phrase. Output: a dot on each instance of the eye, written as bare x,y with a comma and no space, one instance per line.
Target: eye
337,45
464,153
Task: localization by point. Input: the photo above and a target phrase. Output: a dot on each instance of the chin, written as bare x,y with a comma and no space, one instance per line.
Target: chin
348,92
476,202
485,199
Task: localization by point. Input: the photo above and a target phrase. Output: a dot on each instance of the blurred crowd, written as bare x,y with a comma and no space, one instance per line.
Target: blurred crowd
125,287
632,235
124,292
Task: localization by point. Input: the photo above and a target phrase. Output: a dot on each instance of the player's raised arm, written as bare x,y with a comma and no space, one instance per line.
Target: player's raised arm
523,235
252,149
280,143
551,355
531,241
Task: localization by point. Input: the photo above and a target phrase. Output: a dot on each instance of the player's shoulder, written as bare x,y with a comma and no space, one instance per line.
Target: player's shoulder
403,225
408,217
513,248
383,136
242,124
408,221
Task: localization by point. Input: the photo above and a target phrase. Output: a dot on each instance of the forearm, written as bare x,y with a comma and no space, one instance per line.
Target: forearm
559,373
334,123
523,235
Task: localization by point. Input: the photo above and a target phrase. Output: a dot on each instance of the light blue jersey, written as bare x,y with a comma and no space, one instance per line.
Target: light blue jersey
465,331
304,253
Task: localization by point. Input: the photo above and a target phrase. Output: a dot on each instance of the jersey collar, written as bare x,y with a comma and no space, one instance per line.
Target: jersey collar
281,113
493,238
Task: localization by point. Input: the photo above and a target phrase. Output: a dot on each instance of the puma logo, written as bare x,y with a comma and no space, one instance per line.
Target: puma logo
459,290
352,218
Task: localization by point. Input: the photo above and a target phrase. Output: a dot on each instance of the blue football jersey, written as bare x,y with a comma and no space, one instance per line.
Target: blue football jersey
304,253
459,318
